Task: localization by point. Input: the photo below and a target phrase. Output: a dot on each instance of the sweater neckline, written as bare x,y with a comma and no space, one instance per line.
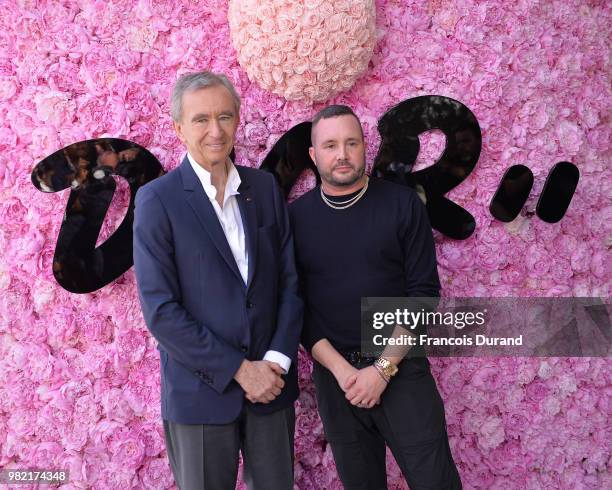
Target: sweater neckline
343,197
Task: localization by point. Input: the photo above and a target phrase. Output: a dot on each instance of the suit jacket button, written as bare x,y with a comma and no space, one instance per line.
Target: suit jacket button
249,304
244,348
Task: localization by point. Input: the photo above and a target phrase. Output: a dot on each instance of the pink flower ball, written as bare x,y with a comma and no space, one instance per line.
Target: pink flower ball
303,52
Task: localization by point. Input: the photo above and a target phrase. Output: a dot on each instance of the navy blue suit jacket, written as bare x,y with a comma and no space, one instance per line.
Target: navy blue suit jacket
195,302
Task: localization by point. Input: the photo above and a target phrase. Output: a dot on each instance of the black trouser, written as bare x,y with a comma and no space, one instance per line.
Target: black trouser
410,420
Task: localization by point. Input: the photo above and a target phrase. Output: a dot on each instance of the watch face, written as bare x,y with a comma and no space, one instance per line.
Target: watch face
388,368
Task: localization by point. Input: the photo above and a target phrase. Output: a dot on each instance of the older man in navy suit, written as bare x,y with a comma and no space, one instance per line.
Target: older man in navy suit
217,282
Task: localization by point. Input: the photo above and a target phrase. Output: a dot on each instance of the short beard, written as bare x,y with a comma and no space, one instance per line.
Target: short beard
329,178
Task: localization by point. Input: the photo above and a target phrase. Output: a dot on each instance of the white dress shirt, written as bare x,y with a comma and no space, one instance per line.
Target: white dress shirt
231,223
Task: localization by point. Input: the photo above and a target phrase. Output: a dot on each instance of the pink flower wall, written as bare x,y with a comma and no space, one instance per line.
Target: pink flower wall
79,383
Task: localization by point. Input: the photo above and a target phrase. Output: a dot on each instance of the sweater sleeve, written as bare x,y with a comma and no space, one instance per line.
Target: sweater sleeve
310,334
420,264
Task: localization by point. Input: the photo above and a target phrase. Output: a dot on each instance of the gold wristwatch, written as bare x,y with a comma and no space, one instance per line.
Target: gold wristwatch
388,368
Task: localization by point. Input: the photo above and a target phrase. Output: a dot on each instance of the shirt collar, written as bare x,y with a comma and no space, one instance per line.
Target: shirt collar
231,186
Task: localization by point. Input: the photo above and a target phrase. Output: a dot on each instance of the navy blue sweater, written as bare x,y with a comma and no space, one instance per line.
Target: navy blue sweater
381,246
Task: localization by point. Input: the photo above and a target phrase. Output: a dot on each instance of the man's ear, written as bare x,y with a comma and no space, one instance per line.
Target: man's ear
179,131
311,152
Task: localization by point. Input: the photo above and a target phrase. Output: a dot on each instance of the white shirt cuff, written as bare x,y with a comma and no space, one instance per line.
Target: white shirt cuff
281,359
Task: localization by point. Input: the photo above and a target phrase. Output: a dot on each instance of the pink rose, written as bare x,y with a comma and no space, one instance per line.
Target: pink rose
101,116
139,102
536,391
491,433
31,68
8,138
314,4
97,70
156,473
71,40
266,11
72,390
130,344
44,454
8,87
581,257
126,59
74,437
142,38
326,9
95,459
154,69
562,270
446,18
334,22
342,5
44,141
54,107
491,257
287,41
312,19
268,26
55,16
96,361
305,47
550,406
487,378
127,449
61,77
256,133
22,424
284,22
277,75
299,67
152,435
569,136
317,56
118,477
73,463
141,133
296,10
536,261
116,406
86,411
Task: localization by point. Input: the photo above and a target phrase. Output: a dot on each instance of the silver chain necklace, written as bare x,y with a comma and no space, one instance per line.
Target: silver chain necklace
349,202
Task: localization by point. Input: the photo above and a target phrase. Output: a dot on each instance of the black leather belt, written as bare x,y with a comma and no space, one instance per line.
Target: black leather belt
356,359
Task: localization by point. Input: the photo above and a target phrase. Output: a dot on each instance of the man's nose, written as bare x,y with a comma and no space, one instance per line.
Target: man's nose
215,128
342,152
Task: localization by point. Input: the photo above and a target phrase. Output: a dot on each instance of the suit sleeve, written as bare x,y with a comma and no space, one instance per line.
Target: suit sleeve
290,306
182,337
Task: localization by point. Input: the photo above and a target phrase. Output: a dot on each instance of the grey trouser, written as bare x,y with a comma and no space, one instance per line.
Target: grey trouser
205,457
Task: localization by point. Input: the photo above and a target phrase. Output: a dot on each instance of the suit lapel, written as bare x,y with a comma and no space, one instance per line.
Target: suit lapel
248,211
202,207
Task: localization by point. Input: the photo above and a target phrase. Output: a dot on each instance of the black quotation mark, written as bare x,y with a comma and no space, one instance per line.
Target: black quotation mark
554,200
87,168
